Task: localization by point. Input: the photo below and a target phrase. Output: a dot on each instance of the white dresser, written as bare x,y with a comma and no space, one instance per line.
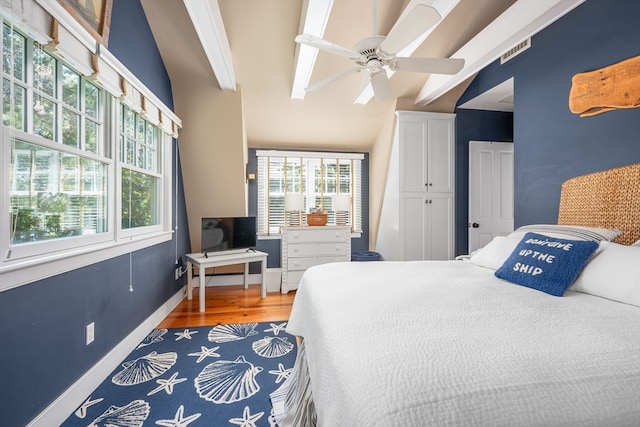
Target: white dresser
304,247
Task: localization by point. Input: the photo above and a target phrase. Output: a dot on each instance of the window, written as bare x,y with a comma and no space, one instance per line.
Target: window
57,185
139,170
317,176
88,167
54,194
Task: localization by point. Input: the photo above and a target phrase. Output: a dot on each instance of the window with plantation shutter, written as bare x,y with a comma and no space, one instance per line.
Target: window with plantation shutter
317,176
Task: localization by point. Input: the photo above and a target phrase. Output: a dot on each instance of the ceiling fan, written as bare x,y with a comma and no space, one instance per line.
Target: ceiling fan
376,54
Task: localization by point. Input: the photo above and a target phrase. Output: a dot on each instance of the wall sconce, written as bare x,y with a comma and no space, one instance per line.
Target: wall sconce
293,207
249,175
341,204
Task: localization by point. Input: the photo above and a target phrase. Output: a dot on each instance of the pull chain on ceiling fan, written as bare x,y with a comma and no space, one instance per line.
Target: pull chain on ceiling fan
376,54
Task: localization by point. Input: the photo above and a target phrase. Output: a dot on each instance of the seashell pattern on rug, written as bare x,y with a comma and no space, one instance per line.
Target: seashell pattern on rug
153,337
271,347
232,332
165,381
144,368
226,381
131,415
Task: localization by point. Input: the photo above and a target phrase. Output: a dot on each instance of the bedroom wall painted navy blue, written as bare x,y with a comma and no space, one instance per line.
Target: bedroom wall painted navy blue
551,143
139,54
42,325
474,125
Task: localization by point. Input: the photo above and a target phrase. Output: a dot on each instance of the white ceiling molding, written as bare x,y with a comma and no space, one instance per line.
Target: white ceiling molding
207,21
443,7
523,19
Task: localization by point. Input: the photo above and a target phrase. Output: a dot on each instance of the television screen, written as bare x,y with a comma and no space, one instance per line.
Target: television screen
227,233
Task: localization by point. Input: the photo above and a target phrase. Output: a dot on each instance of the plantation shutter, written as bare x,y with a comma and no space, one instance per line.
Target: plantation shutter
356,203
270,194
318,176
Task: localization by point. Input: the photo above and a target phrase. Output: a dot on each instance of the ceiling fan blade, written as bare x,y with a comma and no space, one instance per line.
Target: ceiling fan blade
321,44
364,82
380,85
413,25
332,79
428,65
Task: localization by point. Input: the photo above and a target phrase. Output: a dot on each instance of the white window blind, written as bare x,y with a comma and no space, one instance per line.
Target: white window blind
317,176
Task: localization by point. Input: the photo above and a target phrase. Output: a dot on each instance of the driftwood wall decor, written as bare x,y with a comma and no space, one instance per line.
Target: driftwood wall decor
609,88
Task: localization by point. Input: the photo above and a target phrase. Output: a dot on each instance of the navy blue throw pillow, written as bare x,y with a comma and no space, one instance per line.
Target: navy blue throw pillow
547,264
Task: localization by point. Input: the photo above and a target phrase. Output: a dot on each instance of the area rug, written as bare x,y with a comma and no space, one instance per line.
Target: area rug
220,375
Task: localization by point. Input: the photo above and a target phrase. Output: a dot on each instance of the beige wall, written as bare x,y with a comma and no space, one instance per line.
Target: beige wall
378,167
213,153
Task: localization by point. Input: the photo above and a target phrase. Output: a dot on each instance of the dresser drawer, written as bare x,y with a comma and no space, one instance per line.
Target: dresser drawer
306,262
293,278
318,249
316,234
304,247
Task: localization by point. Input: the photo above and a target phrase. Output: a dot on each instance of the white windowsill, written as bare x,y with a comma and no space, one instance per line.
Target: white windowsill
30,270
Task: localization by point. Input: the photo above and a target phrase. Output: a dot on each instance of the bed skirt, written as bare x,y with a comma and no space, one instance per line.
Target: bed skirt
292,402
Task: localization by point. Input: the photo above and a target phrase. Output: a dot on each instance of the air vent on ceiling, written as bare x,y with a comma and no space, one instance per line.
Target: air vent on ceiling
516,50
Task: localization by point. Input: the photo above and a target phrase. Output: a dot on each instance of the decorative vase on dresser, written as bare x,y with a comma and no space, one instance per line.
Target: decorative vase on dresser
304,247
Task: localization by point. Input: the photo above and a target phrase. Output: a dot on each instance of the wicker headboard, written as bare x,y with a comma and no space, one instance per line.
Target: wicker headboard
606,199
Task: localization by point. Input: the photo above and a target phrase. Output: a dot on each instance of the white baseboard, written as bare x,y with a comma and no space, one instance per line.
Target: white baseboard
74,396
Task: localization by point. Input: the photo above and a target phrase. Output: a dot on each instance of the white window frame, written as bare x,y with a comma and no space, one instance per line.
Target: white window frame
159,171
27,262
273,232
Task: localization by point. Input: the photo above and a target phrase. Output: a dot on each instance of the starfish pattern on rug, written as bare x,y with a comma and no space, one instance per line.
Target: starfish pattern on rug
155,379
179,420
276,328
167,385
204,353
247,419
281,373
185,334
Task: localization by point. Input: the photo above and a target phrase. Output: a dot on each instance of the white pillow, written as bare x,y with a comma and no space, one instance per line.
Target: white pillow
613,274
574,232
495,253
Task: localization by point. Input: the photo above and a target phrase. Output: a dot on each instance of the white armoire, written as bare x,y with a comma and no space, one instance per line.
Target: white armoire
417,217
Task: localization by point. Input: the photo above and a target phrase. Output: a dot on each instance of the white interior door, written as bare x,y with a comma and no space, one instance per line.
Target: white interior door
490,191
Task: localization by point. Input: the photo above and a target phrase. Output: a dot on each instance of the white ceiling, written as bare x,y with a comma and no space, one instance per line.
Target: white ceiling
261,38
498,98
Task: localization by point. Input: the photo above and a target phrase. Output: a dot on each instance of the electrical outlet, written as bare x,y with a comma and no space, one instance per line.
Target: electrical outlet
90,332
177,273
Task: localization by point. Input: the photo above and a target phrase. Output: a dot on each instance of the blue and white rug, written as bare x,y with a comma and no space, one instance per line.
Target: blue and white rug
213,376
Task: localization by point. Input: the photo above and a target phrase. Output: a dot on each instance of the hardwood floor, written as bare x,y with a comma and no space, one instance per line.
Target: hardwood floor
230,304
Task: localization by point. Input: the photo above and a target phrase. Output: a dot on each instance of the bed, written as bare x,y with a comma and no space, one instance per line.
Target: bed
448,343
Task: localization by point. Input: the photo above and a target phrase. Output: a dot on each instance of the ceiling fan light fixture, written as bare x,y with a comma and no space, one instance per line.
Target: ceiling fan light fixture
377,54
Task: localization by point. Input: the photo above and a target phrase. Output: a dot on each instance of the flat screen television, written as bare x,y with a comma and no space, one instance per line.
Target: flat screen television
228,233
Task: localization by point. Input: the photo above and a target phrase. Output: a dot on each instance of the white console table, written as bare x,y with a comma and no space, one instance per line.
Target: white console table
218,259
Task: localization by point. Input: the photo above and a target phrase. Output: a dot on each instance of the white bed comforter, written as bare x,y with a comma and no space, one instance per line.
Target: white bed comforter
443,343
